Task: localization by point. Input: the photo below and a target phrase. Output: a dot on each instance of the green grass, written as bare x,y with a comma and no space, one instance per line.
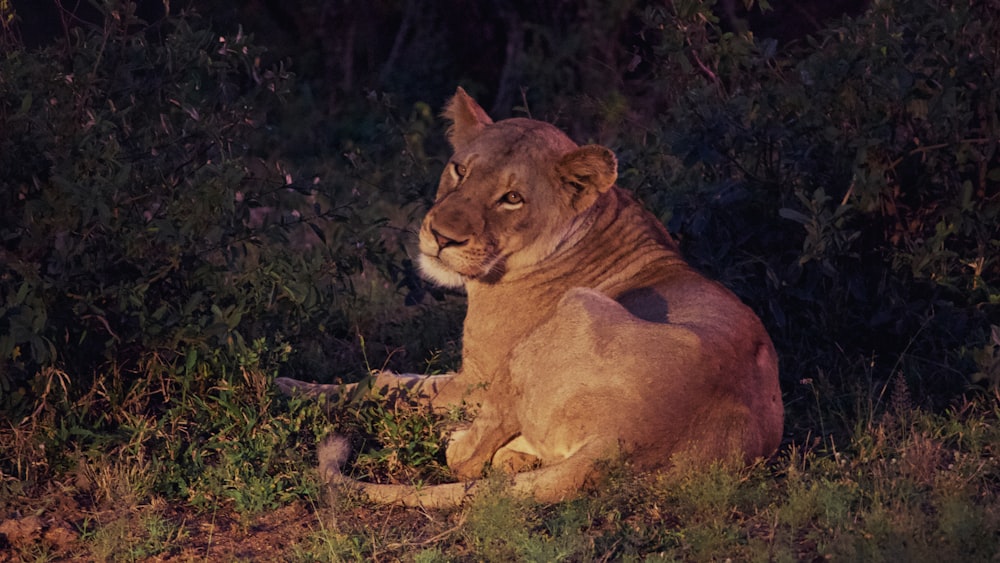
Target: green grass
904,485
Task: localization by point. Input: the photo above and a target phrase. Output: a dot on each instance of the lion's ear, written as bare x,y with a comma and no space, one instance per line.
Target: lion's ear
587,172
466,116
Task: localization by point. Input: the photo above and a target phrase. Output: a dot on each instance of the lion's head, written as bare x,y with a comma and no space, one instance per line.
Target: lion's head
494,216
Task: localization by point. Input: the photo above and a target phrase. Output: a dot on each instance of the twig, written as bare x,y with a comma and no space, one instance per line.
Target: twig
432,539
929,148
708,72
106,325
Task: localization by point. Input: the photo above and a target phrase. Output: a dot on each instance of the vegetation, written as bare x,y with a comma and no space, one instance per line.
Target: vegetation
182,219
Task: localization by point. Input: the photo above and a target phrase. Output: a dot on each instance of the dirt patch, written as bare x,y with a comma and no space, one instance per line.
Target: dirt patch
155,532
267,537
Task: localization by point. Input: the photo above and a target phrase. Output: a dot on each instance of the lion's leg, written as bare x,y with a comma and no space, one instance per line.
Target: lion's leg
551,483
471,448
440,391
564,479
515,456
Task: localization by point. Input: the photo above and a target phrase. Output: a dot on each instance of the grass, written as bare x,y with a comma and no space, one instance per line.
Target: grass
133,537
204,461
904,485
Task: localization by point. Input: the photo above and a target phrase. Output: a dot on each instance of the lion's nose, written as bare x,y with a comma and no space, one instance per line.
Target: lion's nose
445,241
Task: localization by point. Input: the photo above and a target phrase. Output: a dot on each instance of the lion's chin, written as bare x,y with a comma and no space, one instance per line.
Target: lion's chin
434,270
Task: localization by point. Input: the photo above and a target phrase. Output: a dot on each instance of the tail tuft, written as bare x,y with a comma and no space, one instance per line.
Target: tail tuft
333,453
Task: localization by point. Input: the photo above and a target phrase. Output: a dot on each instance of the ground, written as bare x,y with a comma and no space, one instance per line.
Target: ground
59,533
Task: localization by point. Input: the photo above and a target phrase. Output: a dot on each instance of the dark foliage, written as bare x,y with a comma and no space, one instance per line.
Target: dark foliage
851,192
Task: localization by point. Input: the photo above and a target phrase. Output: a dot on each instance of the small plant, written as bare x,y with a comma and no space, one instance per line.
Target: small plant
398,440
410,439
987,359
503,528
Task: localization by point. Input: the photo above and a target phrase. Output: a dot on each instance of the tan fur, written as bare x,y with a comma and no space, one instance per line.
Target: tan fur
587,335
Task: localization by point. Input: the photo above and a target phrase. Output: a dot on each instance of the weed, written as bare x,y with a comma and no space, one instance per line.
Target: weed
328,546
133,536
500,527
406,436
432,555
40,552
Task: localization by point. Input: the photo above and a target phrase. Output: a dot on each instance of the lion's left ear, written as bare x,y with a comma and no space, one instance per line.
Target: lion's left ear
467,118
587,172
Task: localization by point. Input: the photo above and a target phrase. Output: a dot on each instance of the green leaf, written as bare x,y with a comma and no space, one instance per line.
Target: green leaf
25,104
793,215
190,360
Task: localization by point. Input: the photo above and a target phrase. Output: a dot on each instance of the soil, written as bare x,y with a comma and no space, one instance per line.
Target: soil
58,532
60,526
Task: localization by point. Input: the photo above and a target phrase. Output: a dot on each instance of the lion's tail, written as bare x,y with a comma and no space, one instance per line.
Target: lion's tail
546,484
333,454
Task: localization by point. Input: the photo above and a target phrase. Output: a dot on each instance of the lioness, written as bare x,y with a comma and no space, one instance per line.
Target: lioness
587,335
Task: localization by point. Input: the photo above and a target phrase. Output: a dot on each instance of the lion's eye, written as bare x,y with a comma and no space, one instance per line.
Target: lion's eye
512,198
459,169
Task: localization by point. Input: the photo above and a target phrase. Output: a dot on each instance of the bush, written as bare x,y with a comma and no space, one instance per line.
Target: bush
127,203
848,189
153,250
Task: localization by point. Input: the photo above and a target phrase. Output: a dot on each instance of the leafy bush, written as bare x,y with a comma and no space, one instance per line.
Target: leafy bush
127,203
848,189
153,251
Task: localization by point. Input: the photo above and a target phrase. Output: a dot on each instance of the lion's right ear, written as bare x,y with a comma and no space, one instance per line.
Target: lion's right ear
587,172
467,118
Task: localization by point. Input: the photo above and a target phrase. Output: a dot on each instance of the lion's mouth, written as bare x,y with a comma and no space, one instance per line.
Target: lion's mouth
474,267
447,265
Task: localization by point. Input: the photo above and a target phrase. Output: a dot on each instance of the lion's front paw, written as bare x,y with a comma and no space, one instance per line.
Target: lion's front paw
510,461
461,455
467,470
